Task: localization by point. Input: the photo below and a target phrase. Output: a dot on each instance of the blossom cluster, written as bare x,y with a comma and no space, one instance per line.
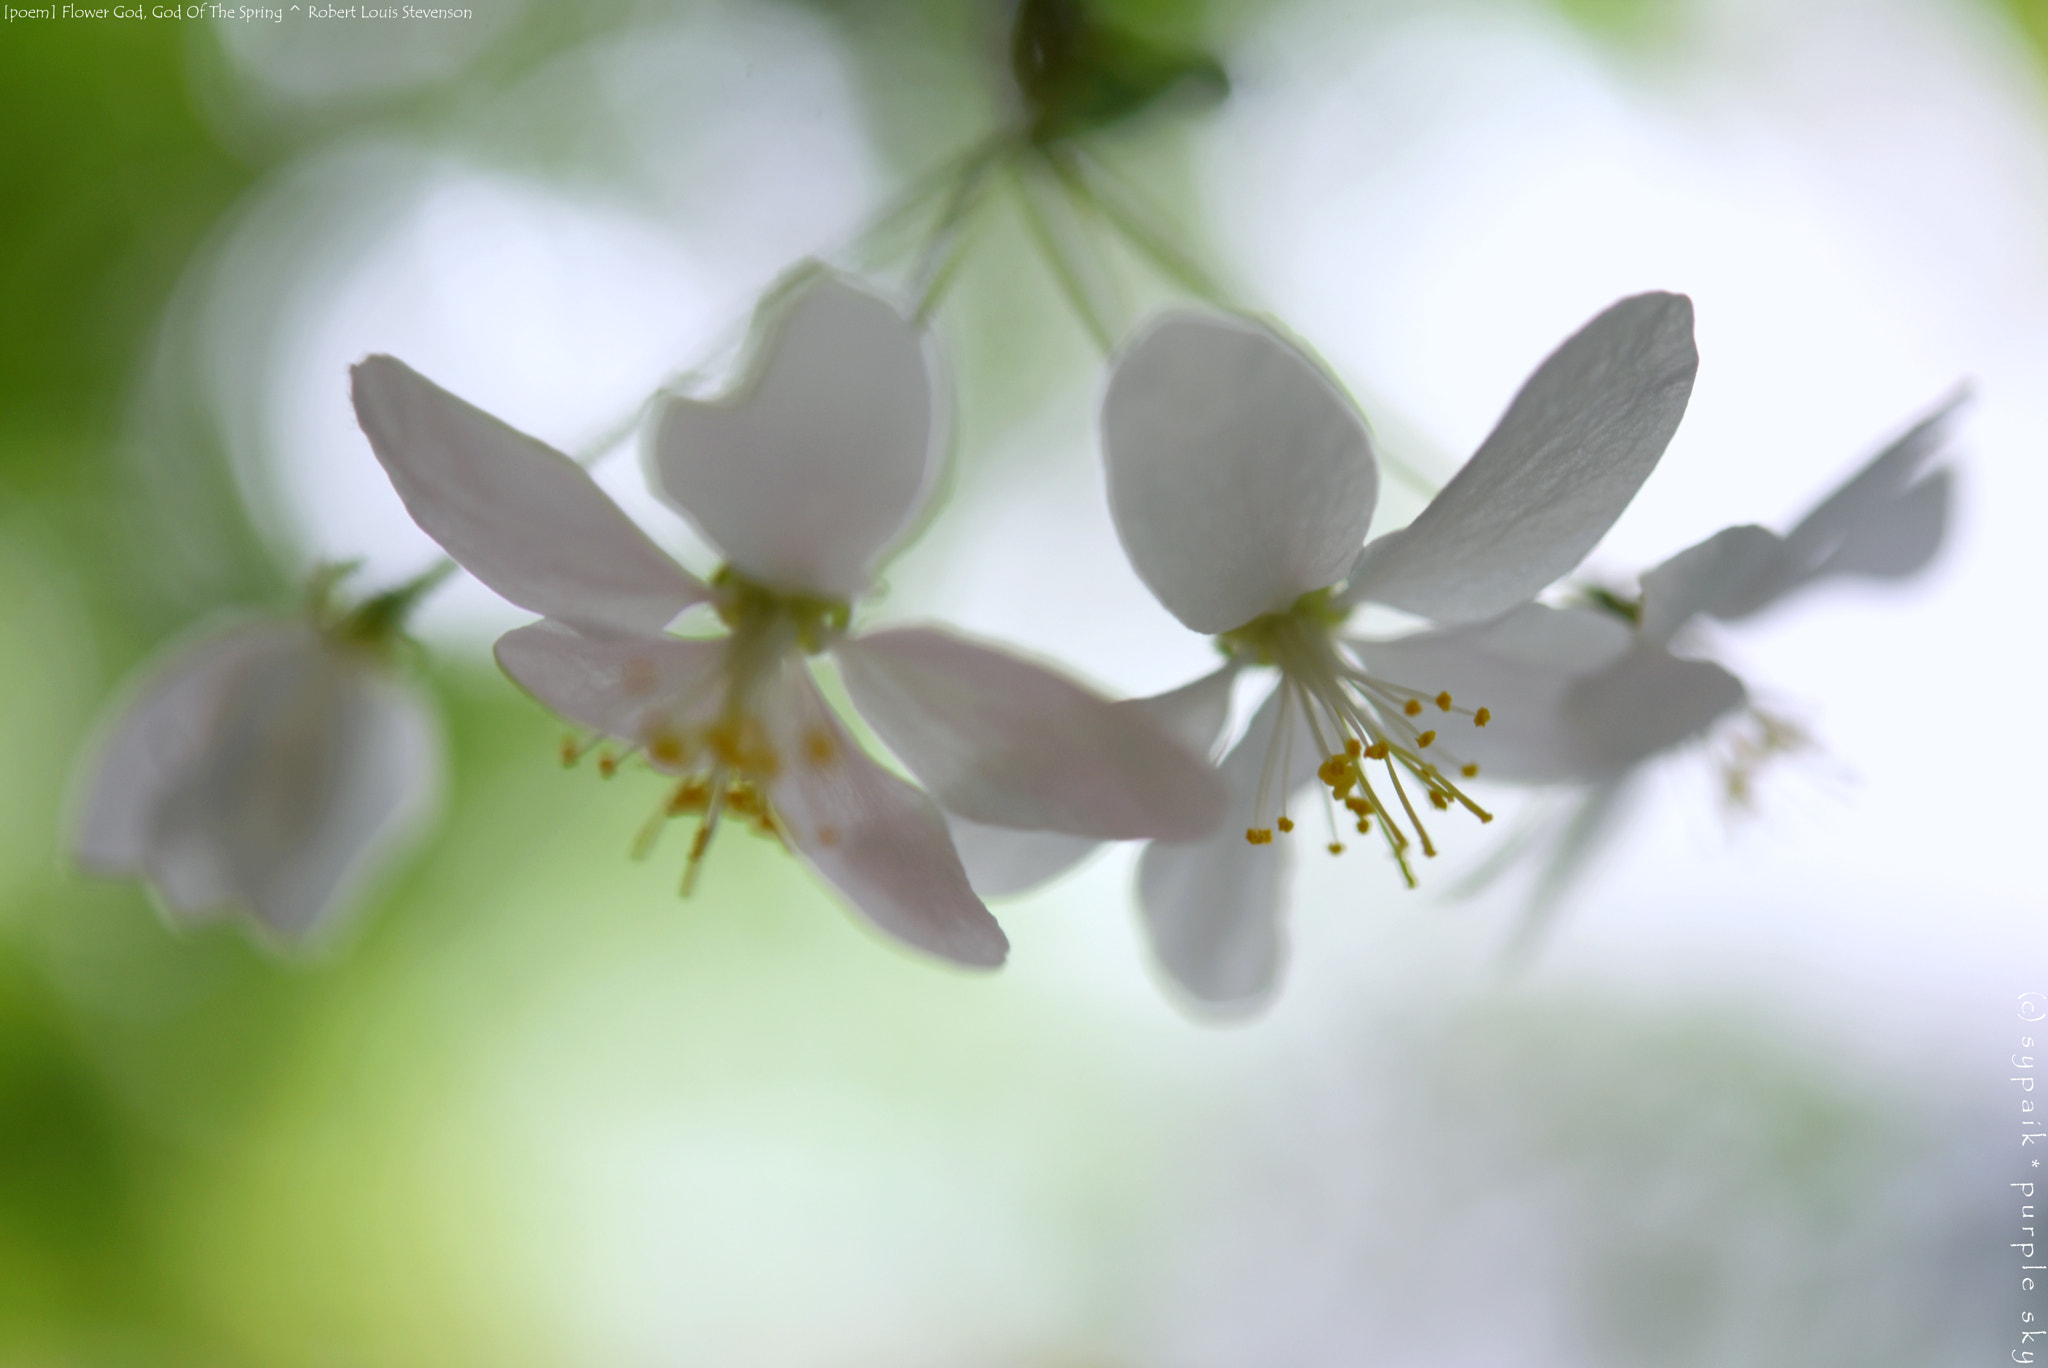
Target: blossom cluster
270,767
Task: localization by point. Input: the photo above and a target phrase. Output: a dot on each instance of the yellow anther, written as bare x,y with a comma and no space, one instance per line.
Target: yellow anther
1336,847
1331,770
1358,806
1285,824
1353,747
607,764
1424,739
725,744
1443,700
1470,771
1345,783
666,748
572,751
1438,801
1412,707
692,795
1365,826
1376,751
1482,717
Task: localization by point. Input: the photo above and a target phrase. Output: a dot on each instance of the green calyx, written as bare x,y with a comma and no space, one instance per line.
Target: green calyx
748,607
1629,610
1078,73
377,624
1273,638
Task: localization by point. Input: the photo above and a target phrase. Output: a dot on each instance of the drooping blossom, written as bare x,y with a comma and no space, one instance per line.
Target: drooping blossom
1591,693
804,478
1242,481
267,769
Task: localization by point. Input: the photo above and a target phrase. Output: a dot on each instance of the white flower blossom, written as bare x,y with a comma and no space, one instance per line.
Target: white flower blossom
267,769
1242,481
804,478
1589,694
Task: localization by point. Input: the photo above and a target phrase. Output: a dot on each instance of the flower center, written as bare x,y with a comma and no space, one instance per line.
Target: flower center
749,607
1362,726
726,764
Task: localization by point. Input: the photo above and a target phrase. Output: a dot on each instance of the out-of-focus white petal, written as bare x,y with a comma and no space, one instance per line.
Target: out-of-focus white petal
1735,566
1212,907
1522,668
807,473
618,685
163,731
1240,477
872,836
266,769
1193,714
519,515
1875,485
1900,537
1563,462
324,800
1648,702
1001,740
1004,861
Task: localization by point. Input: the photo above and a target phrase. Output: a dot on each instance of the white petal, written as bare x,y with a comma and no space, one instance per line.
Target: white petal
162,732
1647,703
1522,668
1004,861
1899,538
806,475
1732,571
1000,740
268,770
303,833
875,838
1872,488
1194,714
1212,908
1240,477
520,516
619,685
1561,465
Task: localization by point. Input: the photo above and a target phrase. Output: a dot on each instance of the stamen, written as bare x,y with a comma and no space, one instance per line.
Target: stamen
1482,717
1422,741
1443,701
1286,824
573,750
1413,707
1421,831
